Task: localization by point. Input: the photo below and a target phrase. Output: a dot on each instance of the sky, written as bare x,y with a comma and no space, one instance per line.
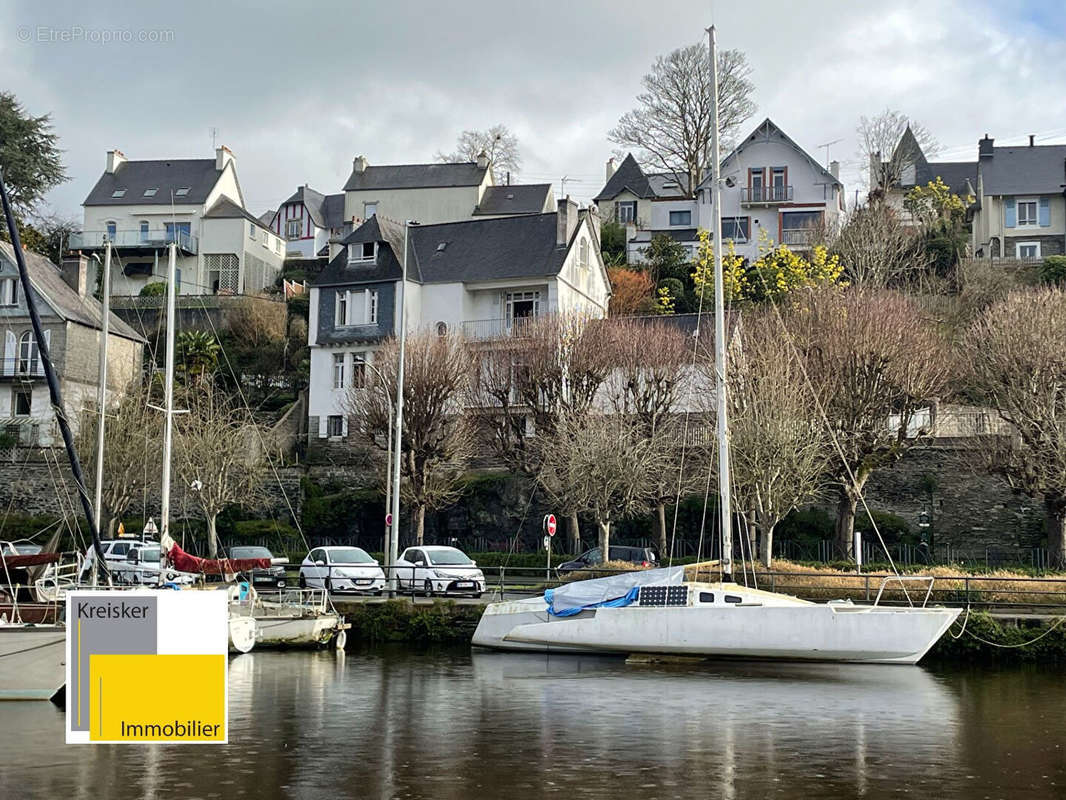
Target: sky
297,90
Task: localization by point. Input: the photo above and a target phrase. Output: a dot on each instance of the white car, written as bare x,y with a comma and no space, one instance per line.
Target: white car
435,569
342,569
115,552
141,567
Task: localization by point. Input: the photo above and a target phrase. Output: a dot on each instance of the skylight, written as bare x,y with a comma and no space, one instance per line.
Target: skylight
441,246
184,190
150,192
118,193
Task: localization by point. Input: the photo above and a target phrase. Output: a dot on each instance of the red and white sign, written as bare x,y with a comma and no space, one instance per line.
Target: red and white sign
550,525
388,520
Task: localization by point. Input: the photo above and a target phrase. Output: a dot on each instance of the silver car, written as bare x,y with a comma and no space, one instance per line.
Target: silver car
342,569
436,569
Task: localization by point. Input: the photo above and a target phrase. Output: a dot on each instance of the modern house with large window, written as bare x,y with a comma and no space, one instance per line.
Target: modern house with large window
479,278
71,318
142,207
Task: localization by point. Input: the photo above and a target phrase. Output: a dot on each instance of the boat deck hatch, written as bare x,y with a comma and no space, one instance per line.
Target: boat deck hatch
663,596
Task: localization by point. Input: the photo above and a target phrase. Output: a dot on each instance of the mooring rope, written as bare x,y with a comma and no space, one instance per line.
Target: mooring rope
1034,640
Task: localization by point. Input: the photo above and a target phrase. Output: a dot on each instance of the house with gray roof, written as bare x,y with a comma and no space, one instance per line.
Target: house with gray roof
142,207
480,278
72,321
308,220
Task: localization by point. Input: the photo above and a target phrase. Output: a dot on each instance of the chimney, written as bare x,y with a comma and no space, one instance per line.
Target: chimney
610,167
565,221
359,164
115,158
223,155
76,272
834,169
1032,140
984,147
482,160
593,214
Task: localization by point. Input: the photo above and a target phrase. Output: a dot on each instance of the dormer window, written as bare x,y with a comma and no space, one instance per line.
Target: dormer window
119,193
361,252
672,185
184,190
150,192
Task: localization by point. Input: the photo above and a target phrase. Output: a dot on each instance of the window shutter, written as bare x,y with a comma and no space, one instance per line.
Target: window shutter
10,343
1045,212
1010,213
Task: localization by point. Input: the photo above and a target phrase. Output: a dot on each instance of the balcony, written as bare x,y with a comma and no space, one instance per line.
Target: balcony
21,369
797,237
135,242
496,328
765,195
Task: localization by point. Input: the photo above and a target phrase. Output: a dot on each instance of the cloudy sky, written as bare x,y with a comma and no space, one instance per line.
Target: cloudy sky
297,90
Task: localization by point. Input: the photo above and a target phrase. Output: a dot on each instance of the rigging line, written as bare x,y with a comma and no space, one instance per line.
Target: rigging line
1058,622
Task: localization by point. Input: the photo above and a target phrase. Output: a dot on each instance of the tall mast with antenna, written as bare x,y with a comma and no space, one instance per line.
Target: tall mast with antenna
105,323
168,390
725,503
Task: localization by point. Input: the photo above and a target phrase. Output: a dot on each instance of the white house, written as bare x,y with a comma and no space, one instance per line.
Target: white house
308,220
478,277
144,206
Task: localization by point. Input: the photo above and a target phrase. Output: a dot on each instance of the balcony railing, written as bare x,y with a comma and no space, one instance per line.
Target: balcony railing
21,368
496,328
751,195
132,240
797,237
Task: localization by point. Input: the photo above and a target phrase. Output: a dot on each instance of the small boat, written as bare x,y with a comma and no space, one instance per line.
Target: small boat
32,661
293,618
243,633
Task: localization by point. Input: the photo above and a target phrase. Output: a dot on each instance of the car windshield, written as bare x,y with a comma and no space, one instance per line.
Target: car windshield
452,558
249,552
150,554
350,555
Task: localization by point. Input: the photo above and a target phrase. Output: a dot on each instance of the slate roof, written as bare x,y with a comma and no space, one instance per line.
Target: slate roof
473,250
661,184
326,210
415,176
198,175
267,217
522,199
333,210
956,174
647,186
47,280
1040,169
224,208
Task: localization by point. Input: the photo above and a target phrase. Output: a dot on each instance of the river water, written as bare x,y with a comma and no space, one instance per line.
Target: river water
442,724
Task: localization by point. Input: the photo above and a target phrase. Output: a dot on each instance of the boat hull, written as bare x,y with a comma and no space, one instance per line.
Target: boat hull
297,631
32,661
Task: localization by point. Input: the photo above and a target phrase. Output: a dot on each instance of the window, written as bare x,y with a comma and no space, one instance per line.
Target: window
1027,250
251,231
359,370
779,181
369,210
277,245
334,425
178,232
111,230
1027,213
583,253
292,229
184,190
357,307
144,230
681,218
119,193
736,228
9,291
756,179
27,354
361,252
338,370
625,212
521,306
150,192
706,597
340,313
21,402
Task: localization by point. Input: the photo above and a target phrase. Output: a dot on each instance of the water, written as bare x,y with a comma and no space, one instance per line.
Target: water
451,724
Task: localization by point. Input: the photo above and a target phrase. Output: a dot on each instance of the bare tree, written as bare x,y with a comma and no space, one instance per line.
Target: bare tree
604,466
671,125
437,440
877,250
131,452
885,146
497,142
876,360
218,456
1018,366
779,446
528,384
649,381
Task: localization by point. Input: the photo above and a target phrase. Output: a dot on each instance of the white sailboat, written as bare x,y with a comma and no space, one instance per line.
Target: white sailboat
658,612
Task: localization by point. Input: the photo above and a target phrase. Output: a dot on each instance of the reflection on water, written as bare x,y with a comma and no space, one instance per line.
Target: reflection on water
451,724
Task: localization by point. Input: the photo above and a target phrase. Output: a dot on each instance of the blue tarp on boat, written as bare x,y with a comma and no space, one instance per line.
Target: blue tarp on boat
614,591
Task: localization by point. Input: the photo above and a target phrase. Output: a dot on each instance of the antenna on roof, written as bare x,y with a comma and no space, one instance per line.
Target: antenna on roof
562,185
827,145
214,136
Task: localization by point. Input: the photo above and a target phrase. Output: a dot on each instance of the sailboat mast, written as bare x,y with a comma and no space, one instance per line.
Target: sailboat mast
101,399
394,542
168,391
725,503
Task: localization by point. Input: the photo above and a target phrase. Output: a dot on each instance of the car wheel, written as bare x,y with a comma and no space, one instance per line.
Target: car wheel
477,595
428,588
303,581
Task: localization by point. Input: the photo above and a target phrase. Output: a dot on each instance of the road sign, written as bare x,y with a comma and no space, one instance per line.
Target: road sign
550,524
388,520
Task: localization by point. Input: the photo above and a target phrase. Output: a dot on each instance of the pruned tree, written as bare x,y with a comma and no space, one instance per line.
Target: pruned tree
529,384
497,142
884,144
671,125
877,251
605,466
651,378
1017,365
29,154
437,441
131,452
218,456
779,447
876,360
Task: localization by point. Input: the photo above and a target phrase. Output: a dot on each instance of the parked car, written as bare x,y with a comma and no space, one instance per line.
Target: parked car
271,578
644,556
115,552
436,569
141,566
342,569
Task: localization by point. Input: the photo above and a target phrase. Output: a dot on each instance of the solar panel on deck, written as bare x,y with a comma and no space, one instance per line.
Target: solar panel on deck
663,596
